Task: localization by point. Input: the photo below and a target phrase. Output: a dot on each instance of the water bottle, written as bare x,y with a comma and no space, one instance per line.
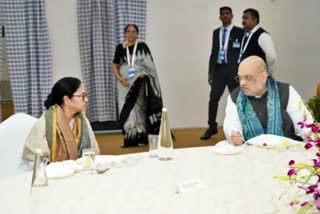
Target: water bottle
39,177
165,145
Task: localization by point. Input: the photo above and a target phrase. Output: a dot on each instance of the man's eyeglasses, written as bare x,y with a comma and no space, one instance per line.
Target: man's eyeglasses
83,95
245,77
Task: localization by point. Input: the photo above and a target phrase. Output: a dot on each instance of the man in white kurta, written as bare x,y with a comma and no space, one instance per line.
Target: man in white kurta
263,106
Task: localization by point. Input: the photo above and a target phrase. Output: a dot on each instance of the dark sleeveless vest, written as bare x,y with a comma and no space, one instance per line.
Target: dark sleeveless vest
253,48
260,107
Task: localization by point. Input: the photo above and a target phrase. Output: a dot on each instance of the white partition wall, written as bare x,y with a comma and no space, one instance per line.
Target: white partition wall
63,35
179,36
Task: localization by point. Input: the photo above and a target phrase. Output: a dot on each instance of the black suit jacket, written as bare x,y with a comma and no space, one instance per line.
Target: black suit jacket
232,54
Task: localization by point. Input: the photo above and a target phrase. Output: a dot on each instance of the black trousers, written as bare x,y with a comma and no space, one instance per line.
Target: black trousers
222,77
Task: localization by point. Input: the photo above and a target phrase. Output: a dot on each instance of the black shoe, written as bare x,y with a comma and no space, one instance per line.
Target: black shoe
211,131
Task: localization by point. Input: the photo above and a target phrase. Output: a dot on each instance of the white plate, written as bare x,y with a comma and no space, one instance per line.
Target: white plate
60,169
266,145
226,148
269,141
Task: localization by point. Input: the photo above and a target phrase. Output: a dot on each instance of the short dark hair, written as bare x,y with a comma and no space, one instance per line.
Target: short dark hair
133,25
254,13
225,8
64,87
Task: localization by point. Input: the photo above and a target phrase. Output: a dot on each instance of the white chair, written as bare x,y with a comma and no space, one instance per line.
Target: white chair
13,133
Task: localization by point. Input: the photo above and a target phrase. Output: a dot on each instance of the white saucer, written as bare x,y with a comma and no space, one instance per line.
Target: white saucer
226,148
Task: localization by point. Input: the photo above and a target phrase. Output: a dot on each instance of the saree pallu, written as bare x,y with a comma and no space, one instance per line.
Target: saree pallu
65,143
140,104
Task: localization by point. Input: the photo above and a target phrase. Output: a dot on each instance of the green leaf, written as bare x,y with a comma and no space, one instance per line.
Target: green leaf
301,166
304,209
283,177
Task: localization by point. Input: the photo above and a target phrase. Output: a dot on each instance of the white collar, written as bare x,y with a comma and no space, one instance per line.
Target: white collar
229,27
258,97
254,29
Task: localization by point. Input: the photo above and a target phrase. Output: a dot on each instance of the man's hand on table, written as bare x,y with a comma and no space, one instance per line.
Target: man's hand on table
236,138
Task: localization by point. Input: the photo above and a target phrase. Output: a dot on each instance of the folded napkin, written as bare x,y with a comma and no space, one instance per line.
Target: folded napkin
61,169
117,160
108,159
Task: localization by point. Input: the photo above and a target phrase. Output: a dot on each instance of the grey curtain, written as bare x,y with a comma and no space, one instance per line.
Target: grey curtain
100,25
96,32
0,67
130,12
28,54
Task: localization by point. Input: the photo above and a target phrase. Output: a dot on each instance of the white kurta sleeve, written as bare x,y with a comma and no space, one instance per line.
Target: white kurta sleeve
266,44
231,120
297,111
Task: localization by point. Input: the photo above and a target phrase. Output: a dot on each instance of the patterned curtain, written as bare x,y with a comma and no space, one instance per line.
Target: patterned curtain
28,53
96,32
130,12
100,25
1,43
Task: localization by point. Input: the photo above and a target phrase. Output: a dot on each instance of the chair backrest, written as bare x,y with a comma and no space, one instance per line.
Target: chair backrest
13,133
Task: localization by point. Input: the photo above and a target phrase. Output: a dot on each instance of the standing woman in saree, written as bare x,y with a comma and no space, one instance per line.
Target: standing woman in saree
139,95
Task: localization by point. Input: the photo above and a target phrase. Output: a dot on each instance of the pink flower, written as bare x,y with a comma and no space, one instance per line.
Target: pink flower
303,124
308,146
309,139
315,195
304,203
317,203
316,163
292,172
314,127
291,162
311,189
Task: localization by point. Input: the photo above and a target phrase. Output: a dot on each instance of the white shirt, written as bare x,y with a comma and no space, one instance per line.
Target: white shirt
266,44
225,48
295,109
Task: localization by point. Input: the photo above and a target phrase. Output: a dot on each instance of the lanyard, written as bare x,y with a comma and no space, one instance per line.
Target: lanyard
243,49
131,62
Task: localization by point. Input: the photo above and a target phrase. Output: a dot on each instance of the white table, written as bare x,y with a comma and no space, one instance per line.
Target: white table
241,183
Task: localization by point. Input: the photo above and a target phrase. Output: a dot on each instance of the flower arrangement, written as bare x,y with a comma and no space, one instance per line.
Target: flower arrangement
314,105
306,175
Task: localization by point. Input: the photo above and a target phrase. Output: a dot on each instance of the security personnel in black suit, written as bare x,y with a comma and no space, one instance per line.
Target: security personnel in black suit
223,65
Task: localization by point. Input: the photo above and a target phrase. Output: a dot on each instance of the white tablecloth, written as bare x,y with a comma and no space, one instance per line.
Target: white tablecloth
241,183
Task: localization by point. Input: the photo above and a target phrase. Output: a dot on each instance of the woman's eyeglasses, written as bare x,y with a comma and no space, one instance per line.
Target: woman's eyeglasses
83,95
